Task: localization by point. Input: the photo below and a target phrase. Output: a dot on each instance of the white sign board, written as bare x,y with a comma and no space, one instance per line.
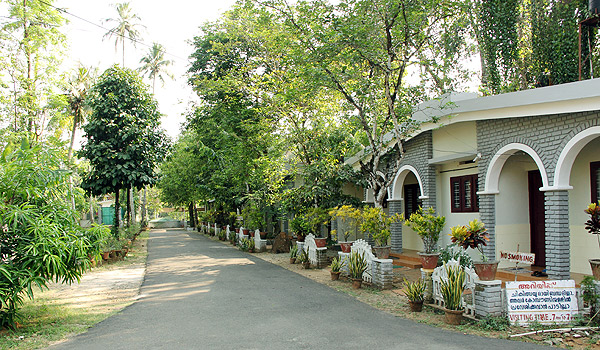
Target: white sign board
518,257
546,302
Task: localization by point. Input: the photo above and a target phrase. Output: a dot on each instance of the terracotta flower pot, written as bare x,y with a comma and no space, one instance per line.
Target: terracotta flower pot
429,261
237,230
300,238
321,242
416,306
245,232
105,255
306,265
263,235
357,283
486,270
292,260
453,317
346,247
335,275
251,233
595,265
383,252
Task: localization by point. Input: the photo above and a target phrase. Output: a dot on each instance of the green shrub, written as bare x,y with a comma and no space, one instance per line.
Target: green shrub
452,289
357,265
415,291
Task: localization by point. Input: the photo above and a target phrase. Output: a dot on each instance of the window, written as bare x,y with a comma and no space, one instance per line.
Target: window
463,191
411,199
595,180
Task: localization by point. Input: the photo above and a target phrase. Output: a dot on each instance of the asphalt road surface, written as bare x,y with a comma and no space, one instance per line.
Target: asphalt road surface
200,294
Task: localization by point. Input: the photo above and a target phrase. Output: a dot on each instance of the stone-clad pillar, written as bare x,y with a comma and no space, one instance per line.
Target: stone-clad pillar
487,214
558,238
395,207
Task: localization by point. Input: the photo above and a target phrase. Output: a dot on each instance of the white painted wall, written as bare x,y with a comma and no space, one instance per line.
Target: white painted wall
584,246
444,200
453,138
512,206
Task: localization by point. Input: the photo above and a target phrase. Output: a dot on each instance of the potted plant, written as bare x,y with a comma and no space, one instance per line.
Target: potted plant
299,225
302,258
593,227
428,226
475,236
415,292
452,290
357,265
293,254
376,222
253,217
336,266
315,217
350,215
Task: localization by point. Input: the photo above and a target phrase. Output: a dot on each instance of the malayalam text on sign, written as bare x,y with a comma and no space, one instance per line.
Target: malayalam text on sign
546,302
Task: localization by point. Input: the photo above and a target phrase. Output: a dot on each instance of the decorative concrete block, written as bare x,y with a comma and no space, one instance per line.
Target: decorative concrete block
488,298
383,273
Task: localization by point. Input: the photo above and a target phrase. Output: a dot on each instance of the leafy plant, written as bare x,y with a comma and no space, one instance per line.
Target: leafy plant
315,217
454,252
232,236
40,236
452,289
592,225
494,323
247,245
428,226
415,291
357,265
223,234
302,256
300,226
293,251
348,214
336,264
377,223
473,236
591,297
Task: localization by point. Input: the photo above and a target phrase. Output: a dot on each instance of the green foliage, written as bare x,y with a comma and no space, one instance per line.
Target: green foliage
124,139
32,46
293,251
428,226
376,222
302,256
40,238
337,264
414,291
254,218
349,215
223,235
454,252
300,226
247,245
357,265
494,323
591,297
452,288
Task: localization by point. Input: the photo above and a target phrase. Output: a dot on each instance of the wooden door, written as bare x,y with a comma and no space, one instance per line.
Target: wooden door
537,219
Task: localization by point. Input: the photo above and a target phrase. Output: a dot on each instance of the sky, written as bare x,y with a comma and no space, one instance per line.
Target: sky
170,23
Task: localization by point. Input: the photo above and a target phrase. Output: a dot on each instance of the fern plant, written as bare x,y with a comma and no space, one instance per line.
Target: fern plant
452,288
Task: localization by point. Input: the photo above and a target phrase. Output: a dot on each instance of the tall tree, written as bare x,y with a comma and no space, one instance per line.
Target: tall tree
155,65
126,27
124,139
78,86
361,52
31,45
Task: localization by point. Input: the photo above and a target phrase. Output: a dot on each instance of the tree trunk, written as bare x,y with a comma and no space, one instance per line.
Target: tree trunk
116,221
191,214
144,209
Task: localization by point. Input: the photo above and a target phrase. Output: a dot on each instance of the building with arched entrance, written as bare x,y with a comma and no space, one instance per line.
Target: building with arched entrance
525,163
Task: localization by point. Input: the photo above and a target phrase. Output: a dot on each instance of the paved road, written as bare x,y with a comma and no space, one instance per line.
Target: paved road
200,294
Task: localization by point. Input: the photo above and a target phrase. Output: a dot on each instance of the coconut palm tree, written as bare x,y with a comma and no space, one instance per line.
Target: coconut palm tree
127,25
155,64
79,84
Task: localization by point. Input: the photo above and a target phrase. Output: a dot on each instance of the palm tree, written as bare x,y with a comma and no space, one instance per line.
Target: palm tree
79,84
126,27
154,64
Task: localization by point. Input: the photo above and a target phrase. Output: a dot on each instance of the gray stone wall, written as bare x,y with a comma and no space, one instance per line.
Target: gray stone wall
418,151
395,207
558,240
547,136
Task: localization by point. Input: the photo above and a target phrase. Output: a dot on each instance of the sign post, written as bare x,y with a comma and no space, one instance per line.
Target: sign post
517,257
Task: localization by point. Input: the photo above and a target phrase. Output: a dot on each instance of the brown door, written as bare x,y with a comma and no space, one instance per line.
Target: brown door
537,220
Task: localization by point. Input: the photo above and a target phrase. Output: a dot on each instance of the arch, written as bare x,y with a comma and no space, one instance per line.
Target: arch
492,176
562,174
398,190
